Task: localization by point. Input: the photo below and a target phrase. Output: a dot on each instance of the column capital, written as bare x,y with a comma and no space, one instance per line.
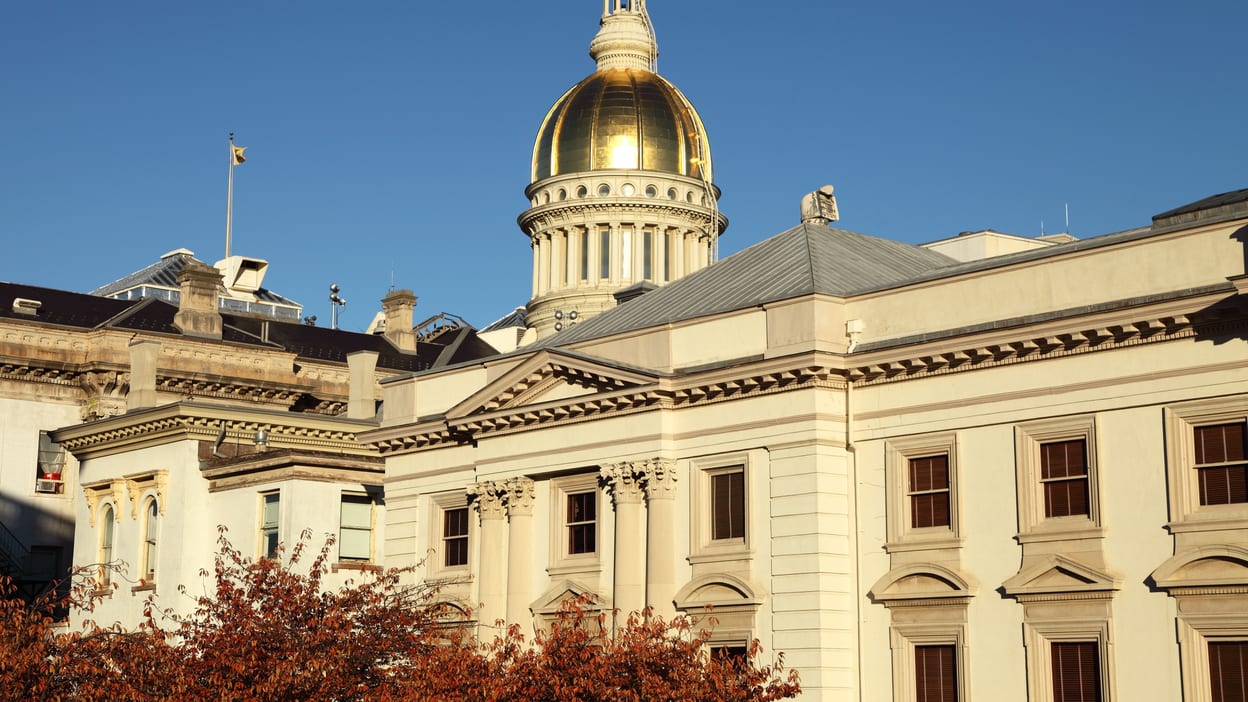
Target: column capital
660,479
488,498
519,496
624,482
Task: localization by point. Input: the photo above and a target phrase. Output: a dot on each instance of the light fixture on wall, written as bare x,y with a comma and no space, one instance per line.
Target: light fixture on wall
262,438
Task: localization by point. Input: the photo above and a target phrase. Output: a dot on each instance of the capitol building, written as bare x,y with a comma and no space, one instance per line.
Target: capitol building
989,466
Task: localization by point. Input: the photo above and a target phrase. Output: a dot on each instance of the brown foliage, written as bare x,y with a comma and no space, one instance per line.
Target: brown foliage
268,630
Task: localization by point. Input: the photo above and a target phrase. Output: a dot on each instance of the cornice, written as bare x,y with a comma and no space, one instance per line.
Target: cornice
580,212
188,421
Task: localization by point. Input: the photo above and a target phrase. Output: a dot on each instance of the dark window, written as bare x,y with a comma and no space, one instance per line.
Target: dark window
455,537
582,239
1064,477
728,504
1076,671
929,492
582,522
935,674
1228,671
734,654
647,255
604,253
1221,465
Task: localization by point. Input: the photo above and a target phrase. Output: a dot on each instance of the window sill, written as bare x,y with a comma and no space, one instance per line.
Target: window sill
569,567
147,586
355,565
720,554
925,543
1050,530
1216,519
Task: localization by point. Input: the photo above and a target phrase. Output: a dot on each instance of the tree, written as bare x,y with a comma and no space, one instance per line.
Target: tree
267,629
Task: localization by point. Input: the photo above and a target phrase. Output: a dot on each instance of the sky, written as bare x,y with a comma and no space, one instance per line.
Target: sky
389,141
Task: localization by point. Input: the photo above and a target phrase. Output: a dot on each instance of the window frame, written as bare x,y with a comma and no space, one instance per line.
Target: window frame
358,498
1039,638
905,638
261,541
106,543
902,535
150,537
1029,438
562,560
1196,632
1181,421
706,548
441,504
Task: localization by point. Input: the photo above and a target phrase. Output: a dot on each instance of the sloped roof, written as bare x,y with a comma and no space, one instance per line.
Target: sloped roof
82,311
164,273
806,259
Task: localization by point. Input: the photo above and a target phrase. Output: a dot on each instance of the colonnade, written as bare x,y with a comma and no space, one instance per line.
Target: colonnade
644,497
572,257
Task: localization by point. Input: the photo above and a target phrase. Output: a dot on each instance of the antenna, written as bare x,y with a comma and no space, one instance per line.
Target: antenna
1068,218
336,302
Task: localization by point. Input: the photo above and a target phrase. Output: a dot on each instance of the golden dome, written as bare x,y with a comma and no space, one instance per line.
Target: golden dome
622,118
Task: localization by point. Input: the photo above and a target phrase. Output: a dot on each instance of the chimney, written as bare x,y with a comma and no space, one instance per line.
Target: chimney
398,307
197,307
144,354
362,395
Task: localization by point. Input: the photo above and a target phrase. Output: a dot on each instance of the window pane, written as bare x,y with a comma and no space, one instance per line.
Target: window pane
582,528
455,522
935,674
1228,671
1076,671
931,473
357,511
1064,470
1063,459
728,505
355,544
455,537
929,510
1221,443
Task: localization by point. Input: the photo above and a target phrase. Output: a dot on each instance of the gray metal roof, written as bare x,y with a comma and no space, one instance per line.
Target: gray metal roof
806,259
164,274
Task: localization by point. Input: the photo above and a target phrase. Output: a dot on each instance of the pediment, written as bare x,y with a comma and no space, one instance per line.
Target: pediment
562,593
1060,574
549,377
719,591
922,581
1208,566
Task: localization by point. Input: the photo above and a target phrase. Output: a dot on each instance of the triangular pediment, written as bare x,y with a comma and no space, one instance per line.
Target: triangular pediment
563,593
550,377
1059,574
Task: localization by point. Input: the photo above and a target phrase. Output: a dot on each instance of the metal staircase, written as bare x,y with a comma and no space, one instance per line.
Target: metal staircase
438,325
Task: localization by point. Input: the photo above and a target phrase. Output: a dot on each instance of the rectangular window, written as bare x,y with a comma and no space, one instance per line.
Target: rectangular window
1064,476
1228,671
455,537
1076,671
269,523
50,463
667,257
935,674
604,253
929,492
728,504
582,238
355,528
626,251
647,255
1221,464
582,522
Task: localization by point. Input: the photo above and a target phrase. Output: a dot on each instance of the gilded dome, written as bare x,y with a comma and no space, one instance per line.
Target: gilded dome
622,118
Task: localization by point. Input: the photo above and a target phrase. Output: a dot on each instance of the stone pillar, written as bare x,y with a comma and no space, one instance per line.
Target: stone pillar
199,285
661,553
519,500
624,481
362,383
398,308
536,253
543,263
144,355
487,498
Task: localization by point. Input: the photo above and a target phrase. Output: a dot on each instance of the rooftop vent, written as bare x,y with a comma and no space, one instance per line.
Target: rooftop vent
22,305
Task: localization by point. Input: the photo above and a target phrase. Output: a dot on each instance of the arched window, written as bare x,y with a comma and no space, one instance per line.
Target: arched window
151,513
106,544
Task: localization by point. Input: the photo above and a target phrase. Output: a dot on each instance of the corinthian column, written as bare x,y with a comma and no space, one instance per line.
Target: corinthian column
661,528
519,501
630,537
487,498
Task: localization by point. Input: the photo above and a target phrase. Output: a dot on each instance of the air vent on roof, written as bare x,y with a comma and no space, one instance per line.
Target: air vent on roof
26,306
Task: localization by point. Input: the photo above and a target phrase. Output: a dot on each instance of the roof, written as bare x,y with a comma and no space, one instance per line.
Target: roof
514,318
164,273
82,311
806,259
1232,203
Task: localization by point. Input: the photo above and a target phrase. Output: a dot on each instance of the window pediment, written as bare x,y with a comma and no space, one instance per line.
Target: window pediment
922,581
719,591
1207,566
1059,574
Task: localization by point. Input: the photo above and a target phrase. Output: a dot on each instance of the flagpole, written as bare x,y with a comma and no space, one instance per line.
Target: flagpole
229,198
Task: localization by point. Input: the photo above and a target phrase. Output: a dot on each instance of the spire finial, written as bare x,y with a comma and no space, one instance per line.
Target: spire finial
626,38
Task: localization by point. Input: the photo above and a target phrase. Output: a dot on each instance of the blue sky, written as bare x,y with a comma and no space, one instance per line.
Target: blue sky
391,139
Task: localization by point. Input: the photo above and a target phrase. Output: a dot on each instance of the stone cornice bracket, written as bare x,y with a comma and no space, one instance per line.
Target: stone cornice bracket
519,496
489,499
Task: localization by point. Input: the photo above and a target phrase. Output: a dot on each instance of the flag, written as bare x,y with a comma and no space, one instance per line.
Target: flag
236,154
